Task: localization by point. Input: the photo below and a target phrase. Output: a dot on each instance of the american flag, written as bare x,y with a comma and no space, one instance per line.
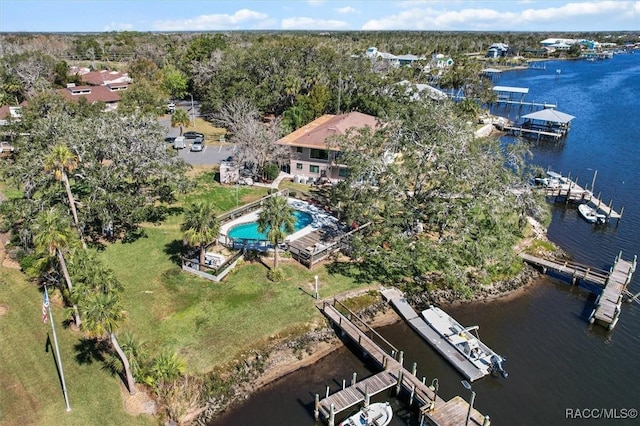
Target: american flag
45,305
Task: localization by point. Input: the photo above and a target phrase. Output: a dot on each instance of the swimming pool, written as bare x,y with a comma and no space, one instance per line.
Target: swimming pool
249,231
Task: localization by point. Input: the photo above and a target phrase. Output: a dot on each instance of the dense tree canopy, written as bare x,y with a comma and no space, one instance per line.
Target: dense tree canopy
439,199
116,167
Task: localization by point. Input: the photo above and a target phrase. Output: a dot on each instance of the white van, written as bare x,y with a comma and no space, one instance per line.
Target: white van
179,143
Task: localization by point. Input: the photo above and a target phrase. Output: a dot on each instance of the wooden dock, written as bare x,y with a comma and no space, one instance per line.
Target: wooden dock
614,282
576,193
577,271
434,410
609,302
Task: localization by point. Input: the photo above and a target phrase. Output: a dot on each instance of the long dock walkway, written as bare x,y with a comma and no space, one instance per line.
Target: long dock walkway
614,282
577,271
609,302
433,408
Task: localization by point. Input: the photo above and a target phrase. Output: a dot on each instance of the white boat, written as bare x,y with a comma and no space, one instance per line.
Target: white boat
464,341
376,414
590,214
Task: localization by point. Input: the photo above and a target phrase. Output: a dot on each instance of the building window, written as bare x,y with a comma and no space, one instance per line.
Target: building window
343,173
319,154
298,166
314,169
299,149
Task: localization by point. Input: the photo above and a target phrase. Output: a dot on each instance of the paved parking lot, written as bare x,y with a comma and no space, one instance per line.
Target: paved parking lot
210,155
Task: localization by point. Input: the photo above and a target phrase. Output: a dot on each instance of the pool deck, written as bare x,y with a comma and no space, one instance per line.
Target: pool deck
320,219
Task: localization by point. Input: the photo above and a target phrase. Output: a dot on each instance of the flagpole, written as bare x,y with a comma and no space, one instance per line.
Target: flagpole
58,358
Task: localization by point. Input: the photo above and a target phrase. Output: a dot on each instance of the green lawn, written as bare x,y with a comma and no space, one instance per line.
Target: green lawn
208,324
31,392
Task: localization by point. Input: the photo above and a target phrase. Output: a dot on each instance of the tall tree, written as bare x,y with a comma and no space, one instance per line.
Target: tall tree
200,227
276,220
53,235
60,161
103,315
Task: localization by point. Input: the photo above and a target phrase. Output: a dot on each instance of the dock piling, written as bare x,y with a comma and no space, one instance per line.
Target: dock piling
353,378
316,407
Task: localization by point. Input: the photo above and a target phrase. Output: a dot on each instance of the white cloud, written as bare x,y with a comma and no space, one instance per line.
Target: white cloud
315,2
346,10
303,23
242,19
569,16
118,26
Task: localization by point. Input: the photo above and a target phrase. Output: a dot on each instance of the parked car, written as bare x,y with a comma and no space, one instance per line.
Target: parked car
197,145
6,147
193,135
179,143
171,107
169,139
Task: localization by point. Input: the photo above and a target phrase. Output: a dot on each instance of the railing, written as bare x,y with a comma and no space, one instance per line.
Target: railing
248,208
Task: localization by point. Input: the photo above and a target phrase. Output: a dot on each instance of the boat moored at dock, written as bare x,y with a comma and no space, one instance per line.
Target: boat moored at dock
376,414
464,341
488,362
590,214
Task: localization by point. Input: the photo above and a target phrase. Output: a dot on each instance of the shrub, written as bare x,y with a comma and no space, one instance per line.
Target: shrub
275,275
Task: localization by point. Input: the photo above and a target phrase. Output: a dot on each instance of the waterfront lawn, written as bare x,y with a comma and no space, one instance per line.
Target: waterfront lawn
207,323
31,390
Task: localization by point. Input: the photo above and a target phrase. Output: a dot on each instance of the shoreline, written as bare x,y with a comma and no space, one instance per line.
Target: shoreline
282,360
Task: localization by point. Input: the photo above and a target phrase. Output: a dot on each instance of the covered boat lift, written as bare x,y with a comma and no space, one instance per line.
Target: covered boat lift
548,123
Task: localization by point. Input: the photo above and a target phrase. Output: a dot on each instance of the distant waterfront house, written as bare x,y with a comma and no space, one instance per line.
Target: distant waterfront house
391,59
109,94
498,50
441,61
559,43
419,91
312,155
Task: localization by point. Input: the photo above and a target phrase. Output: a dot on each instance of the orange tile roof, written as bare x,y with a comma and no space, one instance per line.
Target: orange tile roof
316,133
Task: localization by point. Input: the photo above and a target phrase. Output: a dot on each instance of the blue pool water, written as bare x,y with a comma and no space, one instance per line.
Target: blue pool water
249,231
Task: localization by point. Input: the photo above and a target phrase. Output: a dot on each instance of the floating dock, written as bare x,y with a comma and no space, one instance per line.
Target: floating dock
609,302
614,282
463,365
433,409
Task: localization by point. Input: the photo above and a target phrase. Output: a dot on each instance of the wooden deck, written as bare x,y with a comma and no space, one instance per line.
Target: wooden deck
435,410
609,303
614,282
538,132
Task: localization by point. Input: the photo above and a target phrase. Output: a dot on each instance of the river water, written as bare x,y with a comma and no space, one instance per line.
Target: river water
559,366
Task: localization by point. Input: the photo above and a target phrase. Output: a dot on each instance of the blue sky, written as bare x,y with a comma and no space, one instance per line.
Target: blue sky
212,15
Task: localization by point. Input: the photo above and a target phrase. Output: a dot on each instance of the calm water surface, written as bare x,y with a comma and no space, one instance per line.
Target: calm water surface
555,359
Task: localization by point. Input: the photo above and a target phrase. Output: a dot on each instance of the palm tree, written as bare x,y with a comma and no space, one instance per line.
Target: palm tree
53,234
60,161
180,118
102,315
277,220
200,227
